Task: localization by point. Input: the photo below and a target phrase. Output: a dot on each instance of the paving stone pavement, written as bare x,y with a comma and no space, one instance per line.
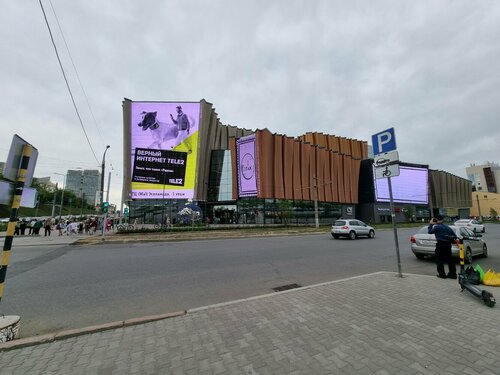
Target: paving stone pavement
372,324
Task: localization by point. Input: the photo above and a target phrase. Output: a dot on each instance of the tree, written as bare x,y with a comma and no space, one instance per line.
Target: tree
493,213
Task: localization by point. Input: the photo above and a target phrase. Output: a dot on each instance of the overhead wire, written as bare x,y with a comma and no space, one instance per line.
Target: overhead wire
79,80
66,80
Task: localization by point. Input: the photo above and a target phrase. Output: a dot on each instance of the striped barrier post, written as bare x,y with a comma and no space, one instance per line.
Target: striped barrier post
16,203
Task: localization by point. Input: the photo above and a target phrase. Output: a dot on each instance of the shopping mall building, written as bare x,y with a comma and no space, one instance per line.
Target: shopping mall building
178,153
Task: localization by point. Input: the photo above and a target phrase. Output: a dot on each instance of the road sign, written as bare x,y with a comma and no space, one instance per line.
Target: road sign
387,158
386,164
384,141
387,171
13,162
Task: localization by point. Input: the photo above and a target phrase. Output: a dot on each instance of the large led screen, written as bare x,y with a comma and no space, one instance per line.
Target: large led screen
164,146
247,170
411,186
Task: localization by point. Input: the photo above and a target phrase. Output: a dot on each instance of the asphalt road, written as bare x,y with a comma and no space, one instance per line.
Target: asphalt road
62,287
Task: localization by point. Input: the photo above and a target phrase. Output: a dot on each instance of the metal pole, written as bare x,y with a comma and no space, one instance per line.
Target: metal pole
316,215
106,213
393,215
54,202
62,198
478,206
16,203
101,192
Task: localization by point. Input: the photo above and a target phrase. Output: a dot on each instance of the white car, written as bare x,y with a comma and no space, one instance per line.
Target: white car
472,224
352,229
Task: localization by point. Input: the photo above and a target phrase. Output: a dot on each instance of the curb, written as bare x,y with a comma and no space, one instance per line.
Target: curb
50,337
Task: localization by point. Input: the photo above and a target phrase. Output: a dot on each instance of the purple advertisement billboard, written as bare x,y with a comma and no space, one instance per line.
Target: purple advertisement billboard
247,167
164,147
411,186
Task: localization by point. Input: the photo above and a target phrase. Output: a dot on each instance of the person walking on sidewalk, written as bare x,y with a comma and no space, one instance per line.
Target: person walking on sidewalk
444,236
48,226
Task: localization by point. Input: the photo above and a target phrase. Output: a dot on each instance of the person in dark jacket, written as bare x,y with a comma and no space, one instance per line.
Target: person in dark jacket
444,236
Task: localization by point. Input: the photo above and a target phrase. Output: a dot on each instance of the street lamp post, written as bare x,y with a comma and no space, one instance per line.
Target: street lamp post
101,195
103,224
62,194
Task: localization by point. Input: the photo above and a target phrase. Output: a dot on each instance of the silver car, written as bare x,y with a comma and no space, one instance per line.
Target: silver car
424,244
472,224
352,229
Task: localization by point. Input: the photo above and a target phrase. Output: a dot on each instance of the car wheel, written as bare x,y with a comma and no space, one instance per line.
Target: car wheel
352,235
371,234
485,251
484,229
420,256
468,256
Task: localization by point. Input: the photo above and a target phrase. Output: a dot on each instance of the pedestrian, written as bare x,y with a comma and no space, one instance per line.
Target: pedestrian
23,226
37,226
47,226
167,222
444,237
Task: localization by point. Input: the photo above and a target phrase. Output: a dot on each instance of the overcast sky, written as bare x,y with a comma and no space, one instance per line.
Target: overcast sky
430,69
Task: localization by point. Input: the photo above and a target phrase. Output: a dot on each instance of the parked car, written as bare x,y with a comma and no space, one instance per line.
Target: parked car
424,244
352,229
472,224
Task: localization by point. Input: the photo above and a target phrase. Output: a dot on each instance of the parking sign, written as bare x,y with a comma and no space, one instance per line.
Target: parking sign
384,141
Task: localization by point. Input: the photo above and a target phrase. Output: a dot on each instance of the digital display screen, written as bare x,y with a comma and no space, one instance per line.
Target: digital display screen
411,186
247,167
164,147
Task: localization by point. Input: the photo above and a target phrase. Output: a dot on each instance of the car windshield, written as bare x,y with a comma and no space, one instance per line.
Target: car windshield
462,221
339,223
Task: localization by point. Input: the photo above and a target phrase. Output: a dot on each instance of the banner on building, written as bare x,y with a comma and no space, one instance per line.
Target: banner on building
164,148
247,167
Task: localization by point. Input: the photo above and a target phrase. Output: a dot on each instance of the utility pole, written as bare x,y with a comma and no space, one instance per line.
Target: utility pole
316,215
54,202
81,193
105,219
478,206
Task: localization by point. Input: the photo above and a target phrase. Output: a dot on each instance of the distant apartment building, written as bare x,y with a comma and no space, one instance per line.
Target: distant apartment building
485,177
84,183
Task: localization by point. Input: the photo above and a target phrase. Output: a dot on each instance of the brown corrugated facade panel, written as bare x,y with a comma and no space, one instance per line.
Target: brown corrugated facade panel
356,149
312,170
304,168
288,167
297,179
321,154
265,151
346,179
279,165
355,168
365,150
234,166
308,138
340,179
333,143
344,146
327,173
334,167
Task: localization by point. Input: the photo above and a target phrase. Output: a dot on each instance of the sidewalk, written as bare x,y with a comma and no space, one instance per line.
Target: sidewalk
371,324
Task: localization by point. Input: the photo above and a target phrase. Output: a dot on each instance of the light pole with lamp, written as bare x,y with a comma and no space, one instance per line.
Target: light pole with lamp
101,194
62,194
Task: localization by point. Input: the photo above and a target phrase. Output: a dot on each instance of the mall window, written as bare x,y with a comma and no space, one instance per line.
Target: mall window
220,182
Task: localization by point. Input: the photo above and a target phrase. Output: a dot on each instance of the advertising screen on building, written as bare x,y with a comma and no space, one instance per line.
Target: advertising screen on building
411,186
164,146
247,167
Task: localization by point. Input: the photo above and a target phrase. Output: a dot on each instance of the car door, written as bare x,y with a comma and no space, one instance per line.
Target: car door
472,241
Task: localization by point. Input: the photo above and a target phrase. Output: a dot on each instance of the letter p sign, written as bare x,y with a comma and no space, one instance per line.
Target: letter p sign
384,141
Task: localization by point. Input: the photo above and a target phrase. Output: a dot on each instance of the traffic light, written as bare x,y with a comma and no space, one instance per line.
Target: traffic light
125,211
105,206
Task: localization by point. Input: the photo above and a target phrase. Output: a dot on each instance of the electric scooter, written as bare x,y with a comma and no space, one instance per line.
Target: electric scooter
464,283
